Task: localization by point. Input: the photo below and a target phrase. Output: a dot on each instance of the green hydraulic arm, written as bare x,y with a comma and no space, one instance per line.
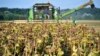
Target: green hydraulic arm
80,7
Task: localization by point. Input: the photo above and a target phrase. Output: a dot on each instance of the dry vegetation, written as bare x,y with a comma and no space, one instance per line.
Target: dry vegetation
48,39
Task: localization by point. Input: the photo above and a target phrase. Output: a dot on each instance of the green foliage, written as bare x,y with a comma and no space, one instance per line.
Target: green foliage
13,14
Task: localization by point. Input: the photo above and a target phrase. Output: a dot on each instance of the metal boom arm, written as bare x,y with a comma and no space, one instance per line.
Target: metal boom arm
80,7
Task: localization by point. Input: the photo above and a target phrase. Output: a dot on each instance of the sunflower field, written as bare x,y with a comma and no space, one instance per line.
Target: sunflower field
48,39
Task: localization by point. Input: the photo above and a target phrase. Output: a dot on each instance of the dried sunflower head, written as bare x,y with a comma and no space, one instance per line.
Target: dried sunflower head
39,41
45,35
60,52
9,37
17,45
21,38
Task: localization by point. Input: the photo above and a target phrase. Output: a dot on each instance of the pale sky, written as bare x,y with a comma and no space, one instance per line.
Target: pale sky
63,4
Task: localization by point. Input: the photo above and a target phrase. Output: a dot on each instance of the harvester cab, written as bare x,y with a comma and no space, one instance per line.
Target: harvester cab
41,11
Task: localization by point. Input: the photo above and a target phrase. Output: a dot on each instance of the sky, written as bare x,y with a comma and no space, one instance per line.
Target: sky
63,4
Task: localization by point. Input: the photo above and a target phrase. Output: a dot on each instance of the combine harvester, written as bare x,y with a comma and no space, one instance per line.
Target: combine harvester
45,12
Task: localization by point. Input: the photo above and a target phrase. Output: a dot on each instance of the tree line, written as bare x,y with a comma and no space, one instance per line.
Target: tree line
13,14
22,14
